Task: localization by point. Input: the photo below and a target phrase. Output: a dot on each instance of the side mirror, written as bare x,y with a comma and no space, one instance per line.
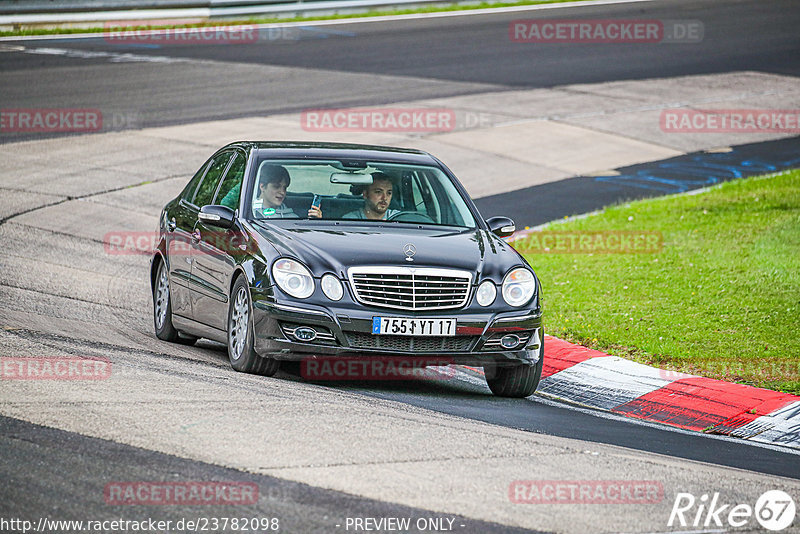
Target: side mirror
501,226
215,215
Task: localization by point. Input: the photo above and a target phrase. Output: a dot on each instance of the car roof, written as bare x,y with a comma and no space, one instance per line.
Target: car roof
314,150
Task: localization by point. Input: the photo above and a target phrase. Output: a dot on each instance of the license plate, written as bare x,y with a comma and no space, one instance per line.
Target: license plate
406,326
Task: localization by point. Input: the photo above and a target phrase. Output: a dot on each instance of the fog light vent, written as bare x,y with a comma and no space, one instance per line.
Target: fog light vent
509,341
300,333
305,333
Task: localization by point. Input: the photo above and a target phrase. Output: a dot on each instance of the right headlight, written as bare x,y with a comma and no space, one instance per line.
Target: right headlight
293,278
518,287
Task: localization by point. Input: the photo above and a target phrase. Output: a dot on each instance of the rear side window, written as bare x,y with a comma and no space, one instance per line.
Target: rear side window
188,192
209,184
230,190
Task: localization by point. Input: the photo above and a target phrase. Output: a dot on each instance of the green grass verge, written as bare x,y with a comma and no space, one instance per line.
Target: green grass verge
720,299
24,31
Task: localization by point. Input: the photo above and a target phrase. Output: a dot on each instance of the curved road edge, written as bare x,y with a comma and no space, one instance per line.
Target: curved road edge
592,378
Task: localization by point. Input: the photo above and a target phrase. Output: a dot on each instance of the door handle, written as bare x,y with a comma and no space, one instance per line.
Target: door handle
196,236
171,224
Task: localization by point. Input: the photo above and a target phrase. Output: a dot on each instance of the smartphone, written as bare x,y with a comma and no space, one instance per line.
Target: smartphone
316,202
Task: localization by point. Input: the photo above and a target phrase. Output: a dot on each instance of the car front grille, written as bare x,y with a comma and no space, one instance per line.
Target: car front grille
411,343
410,288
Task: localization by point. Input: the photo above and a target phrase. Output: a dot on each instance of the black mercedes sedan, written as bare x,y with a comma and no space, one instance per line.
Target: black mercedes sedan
290,251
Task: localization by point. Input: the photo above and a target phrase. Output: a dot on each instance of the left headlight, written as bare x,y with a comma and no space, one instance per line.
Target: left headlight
293,278
486,293
332,287
518,287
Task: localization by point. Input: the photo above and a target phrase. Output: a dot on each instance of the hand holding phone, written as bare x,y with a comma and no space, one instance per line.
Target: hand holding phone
315,212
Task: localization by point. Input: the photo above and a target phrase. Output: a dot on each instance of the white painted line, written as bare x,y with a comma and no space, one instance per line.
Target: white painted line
359,20
604,382
113,57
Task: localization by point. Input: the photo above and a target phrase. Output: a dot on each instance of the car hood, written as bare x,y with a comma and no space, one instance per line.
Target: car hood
335,247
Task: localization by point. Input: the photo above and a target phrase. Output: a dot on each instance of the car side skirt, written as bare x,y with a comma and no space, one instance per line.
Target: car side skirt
188,326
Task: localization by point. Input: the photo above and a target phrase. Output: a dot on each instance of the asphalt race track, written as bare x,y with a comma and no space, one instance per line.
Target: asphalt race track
321,453
401,60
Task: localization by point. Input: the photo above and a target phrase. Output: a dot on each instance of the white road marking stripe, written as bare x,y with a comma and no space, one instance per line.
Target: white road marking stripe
111,56
604,382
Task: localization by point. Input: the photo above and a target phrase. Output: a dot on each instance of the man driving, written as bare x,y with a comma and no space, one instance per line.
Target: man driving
377,197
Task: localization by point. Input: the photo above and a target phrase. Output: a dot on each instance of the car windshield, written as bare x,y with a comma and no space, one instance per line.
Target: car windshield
367,192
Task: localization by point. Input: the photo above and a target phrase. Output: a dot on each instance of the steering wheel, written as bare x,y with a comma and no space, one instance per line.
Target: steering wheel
411,216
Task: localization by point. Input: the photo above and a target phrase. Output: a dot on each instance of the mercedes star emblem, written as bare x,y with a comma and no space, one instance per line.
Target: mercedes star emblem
409,250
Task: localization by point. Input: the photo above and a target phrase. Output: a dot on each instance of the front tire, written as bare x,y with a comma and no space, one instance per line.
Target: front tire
518,381
241,353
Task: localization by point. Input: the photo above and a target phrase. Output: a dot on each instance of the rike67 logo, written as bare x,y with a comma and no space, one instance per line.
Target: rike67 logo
774,510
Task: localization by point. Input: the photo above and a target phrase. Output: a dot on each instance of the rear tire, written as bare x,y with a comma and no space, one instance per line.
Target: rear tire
162,306
241,352
518,381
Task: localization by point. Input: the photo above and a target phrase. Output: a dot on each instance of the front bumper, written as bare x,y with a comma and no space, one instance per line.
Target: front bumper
347,332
